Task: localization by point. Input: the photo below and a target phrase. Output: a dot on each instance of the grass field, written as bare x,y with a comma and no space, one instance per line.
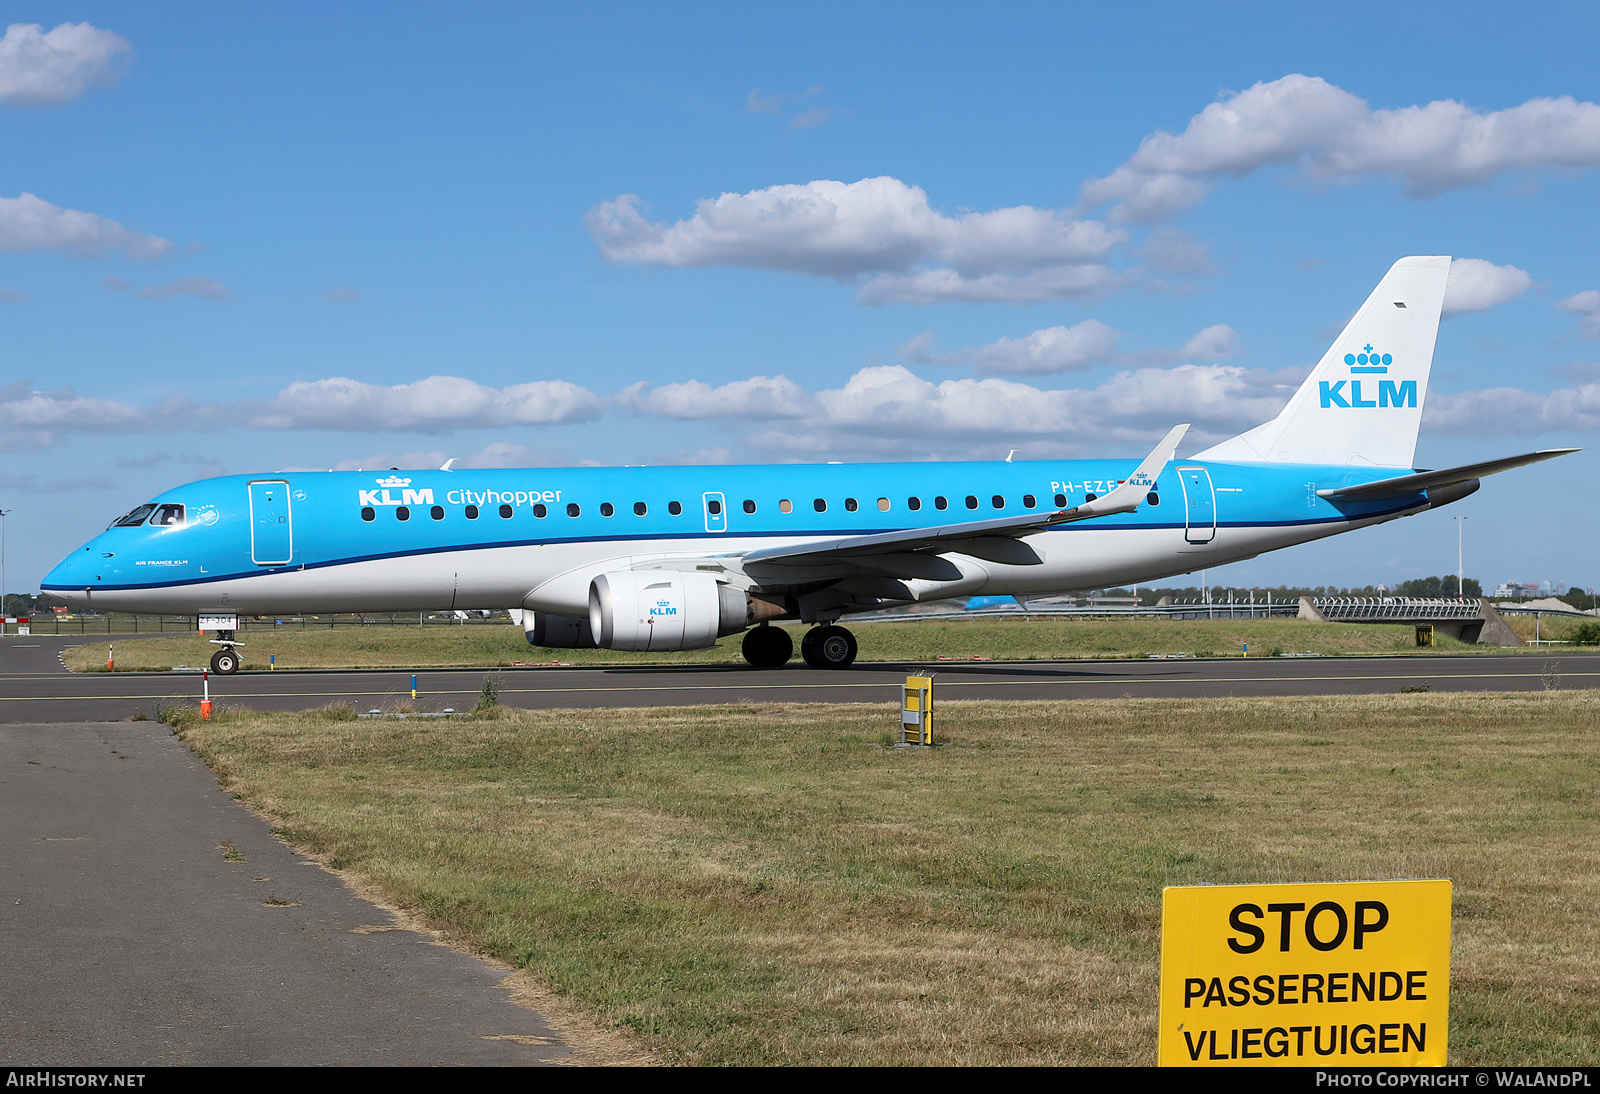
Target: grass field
772,885
927,640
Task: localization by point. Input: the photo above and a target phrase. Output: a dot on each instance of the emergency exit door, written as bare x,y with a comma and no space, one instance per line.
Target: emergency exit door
1200,504
271,524
716,511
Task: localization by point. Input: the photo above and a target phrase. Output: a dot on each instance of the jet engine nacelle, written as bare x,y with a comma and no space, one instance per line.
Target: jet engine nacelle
668,610
557,632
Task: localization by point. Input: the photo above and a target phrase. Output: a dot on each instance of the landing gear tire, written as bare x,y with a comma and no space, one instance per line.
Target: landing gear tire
767,647
225,662
829,648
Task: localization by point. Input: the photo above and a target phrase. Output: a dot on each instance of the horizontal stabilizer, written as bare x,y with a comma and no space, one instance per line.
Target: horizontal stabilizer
1124,499
1432,480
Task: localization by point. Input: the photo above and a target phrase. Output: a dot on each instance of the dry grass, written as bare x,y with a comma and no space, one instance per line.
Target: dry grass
769,884
925,640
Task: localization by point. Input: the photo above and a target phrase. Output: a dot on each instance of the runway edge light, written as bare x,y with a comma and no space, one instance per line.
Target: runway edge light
1348,974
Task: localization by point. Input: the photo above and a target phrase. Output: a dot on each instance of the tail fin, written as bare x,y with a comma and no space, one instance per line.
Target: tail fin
1362,404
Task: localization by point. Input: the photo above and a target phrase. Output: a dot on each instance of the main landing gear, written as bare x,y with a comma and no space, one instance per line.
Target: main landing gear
225,662
767,647
830,647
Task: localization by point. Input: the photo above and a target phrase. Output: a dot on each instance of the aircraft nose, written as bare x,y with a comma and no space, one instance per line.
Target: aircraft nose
72,575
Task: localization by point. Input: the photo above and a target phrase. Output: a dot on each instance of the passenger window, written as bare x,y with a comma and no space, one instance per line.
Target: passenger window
133,519
999,502
786,506
820,505
1090,497
1029,501
850,505
674,508
437,512
749,506
940,503
640,508
883,505
605,509
167,516
538,510
572,509
368,513
472,512
1153,498
402,513
505,511
913,504
1061,501
714,507
972,501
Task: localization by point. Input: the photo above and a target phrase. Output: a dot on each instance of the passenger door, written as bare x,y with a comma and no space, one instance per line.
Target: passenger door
1200,504
271,524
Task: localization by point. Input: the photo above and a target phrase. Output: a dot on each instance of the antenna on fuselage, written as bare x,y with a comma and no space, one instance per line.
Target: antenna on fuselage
1013,452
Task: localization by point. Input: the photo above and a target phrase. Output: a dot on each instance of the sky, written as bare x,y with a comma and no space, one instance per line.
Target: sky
248,239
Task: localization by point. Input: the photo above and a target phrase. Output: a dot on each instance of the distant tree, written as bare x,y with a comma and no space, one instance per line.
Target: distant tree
1438,586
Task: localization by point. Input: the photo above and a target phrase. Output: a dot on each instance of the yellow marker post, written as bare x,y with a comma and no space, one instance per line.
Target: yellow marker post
1343,974
916,714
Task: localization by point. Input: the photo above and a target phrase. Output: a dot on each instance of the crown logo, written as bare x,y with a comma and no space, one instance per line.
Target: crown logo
1368,360
394,482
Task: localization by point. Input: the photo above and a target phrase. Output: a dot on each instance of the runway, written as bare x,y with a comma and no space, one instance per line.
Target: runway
34,687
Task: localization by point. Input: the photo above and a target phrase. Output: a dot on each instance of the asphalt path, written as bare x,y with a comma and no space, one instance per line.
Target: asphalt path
149,919
35,687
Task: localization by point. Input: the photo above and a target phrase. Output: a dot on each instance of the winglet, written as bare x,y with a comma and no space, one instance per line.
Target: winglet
447,463
1126,498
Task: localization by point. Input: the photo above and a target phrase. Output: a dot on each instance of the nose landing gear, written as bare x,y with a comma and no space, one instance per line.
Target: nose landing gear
225,662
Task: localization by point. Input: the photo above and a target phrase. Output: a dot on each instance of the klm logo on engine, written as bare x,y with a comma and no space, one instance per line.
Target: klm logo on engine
407,496
1367,362
662,608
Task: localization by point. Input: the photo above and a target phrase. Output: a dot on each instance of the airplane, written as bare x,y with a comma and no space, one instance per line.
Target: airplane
674,558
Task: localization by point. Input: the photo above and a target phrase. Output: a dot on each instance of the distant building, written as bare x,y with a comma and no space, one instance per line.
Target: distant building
1517,590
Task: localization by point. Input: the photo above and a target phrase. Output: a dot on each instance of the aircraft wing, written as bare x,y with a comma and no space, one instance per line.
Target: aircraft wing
1124,499
1428,480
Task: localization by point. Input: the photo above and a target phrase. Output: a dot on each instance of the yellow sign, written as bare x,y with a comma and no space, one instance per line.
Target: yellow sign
1346,974
916,714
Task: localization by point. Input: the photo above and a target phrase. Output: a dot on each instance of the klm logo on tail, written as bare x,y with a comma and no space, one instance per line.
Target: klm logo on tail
1390,393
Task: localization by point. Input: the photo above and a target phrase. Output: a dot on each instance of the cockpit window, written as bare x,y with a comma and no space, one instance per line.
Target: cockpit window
167,516
132,519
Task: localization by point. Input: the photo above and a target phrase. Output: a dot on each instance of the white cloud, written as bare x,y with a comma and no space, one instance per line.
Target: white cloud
891,399
1586,306
881,226
1066,349
1331,135
1215,343
1509,410
1477,285
1053,349
34,418
435,403
940,286
38,68
202,287
29,223
757,397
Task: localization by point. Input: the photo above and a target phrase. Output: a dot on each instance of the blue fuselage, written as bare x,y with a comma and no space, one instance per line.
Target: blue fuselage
365,541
